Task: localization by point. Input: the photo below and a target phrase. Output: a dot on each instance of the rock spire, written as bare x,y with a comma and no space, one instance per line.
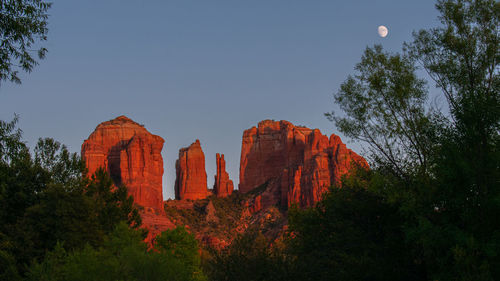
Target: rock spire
191,176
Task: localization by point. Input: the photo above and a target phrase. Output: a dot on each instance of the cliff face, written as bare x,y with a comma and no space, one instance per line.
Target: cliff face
132,157
223,186
298,163
191,180
280,163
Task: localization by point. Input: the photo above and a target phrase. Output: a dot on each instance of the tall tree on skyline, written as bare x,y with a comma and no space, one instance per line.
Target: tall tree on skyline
442,167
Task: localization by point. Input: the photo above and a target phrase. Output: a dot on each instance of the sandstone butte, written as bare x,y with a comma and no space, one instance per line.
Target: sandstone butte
297,163
223,186
191,176
132,157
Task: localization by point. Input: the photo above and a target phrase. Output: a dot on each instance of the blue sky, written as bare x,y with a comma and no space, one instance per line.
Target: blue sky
200,69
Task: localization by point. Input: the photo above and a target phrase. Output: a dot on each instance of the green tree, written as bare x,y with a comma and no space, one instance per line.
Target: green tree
64,167
74,215
249,257
385,107
180,246
351,234
179,243
20,180
45,199
11,145
124,256
112,204
462,57
441,167
8,266
23,24
20,184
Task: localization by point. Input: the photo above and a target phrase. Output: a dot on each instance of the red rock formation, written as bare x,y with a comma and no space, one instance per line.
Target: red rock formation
223,186
303,162
191,180
290,186
213,242
155,224
132,157
257,204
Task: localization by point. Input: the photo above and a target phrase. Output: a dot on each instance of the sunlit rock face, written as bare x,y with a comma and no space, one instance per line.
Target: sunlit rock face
223,186
132,157
298,163
191,176
155,223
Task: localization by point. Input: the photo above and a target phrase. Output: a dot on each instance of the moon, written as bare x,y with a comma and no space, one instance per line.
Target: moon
382,31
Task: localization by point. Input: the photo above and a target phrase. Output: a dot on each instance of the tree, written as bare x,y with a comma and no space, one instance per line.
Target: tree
179,245
46,200
23,23
64,167
384,106
249,257
124,256
462,57
353,233
441,167
20,179
8,266
111,204
11,145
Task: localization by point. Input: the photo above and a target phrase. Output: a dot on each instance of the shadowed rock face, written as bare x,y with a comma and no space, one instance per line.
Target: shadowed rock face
299,163
223,186
191,180
132,157
280,163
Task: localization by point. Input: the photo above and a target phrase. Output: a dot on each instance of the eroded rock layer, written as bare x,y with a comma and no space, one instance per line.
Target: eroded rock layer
132,157
298,162
223,186
191,176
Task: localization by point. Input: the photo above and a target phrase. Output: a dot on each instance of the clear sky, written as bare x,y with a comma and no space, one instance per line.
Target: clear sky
200,69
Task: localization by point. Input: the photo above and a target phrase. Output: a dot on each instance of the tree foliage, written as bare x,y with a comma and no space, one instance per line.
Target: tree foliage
124,256
11,145
23,23
249,257
353,233
45,200
442,168
57,224
111,204
384,106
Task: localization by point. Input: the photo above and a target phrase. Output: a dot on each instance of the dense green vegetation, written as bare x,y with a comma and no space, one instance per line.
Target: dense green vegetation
427,210
249,257
124,256
441,169
56,224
